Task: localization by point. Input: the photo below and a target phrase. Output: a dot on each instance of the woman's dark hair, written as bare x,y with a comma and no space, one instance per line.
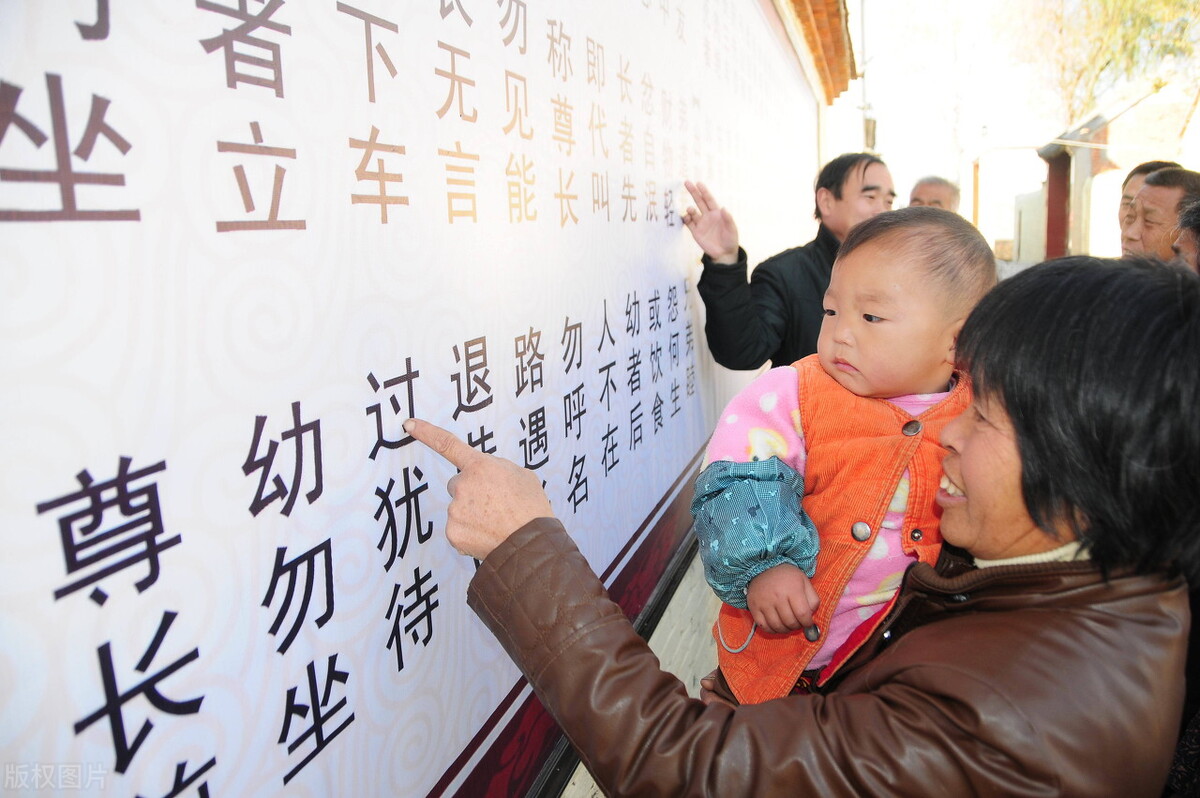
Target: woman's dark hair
1097,363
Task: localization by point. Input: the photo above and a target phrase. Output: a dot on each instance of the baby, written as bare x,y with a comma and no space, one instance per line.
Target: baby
846,442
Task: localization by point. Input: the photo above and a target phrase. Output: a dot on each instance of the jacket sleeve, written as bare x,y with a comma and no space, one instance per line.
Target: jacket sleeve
638,732
748,519
746,504
744,321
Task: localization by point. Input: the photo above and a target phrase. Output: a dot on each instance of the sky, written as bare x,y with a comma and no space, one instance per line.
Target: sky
948,87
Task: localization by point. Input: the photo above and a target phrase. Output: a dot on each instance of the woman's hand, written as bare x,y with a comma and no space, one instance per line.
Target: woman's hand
490,498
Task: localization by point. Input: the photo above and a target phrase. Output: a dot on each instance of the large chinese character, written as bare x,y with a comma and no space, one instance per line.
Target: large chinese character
529,361
460,183
656,356
596,124
368,21
520,189
474,391
411,499
625,131
653,305
651,214
514,10
115,698
635,426
595,64
606,333
457,82
634,369
559,56
402,413
657,411
322,714
422,603
272,222
572,341
516,103
565,209
263,67
633,314
609,459
564,125
63,172
600,194
610,386
536,443
300,568
380,176
573,412
628,214
282,491
91,544
579,483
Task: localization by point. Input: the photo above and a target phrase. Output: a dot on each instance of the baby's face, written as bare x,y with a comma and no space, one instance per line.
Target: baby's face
887,330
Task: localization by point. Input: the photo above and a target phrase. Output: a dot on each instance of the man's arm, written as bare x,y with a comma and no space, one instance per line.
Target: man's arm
744,321
740,333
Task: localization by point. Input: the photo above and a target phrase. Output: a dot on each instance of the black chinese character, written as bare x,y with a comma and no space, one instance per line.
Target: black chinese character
89,543
318,701
116,698
301,567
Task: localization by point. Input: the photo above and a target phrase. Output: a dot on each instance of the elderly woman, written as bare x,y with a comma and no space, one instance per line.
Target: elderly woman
1048,659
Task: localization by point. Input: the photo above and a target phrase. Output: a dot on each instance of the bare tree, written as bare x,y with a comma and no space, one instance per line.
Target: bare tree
1093,45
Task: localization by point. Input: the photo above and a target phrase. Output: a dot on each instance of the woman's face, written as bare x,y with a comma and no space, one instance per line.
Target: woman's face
983,509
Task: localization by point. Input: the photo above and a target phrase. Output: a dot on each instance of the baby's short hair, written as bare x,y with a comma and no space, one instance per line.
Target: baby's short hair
954,252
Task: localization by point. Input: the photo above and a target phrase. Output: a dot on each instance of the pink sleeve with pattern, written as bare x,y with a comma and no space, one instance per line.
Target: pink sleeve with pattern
761,421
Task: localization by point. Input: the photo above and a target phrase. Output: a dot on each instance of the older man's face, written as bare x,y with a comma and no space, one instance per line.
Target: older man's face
1125,212
1152,231
933,195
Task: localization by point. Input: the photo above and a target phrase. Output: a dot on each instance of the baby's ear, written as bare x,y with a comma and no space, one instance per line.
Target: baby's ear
952,332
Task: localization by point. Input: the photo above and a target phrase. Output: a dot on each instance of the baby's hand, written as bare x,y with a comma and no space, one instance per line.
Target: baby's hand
781,599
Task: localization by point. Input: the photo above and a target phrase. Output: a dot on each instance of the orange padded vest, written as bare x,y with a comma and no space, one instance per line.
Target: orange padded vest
858,449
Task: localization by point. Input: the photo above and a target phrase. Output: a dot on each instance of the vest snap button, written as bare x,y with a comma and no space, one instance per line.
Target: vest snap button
917,535
911,428
860,531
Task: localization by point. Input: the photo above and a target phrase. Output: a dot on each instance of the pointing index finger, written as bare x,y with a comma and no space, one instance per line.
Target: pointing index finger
441,441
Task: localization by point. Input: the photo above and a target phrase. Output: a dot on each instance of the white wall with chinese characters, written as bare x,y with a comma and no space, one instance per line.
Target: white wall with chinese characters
240,243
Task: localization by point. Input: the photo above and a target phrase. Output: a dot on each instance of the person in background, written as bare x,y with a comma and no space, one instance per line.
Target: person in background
1187,244
777,315
843,443
936,192
1042,656
1131,186
1156,210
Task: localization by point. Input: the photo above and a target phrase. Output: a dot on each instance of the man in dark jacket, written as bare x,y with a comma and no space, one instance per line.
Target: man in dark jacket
777,314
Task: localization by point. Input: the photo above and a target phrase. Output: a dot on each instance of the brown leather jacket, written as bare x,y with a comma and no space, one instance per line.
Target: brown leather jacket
1032,680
